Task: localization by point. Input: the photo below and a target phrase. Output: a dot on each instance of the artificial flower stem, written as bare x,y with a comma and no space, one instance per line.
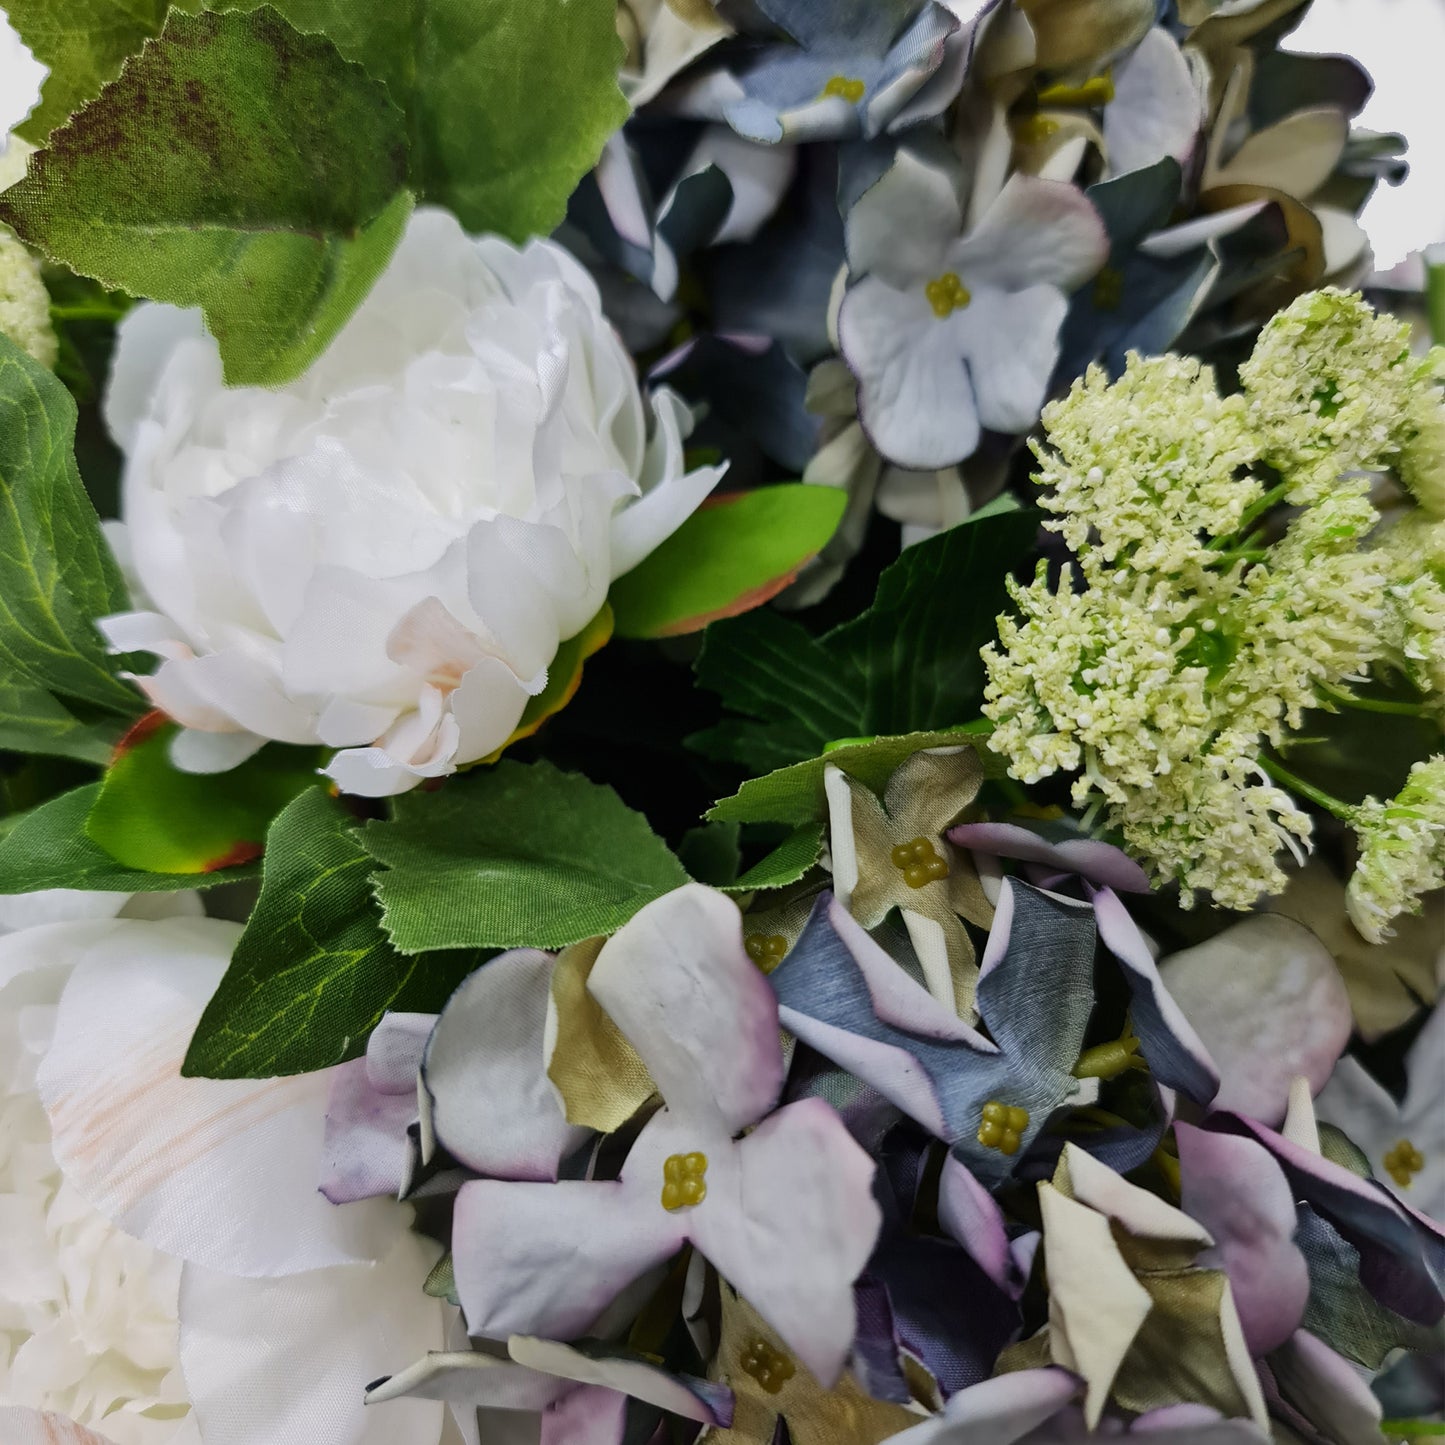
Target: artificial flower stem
1250,516
1435,295
1318,796
1376,704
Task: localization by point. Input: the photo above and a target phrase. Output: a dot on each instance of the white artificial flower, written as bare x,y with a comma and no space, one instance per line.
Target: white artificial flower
235,1286
1405,1139
88,1323
383,555
949,331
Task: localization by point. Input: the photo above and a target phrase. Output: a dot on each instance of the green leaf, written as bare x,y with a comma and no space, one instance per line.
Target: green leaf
84,42
515,856
729,557
769,667
909,663
56,573
795,794
32,721
48,848
313,973
152,816
787,863
236,165
710,853
508,102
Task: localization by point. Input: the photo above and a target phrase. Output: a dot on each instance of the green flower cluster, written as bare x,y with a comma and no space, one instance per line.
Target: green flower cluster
1192,629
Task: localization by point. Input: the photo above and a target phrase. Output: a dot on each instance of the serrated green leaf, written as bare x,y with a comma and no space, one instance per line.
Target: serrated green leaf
786,864
56,573
237,165
769,667
48,848
512,856
152,816
795,794
313,973
728,557
84,42
32,721
909,663
508,105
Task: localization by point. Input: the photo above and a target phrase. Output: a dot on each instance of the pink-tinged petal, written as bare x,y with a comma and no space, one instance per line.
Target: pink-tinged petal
893,1071
465,1377
493,1106
1327,1391
1196,1425
998,1411
967,1211
1157,109
616,1369
365,1148
1086,857
372,1105
794,1228
286,1361
901,226
1144,1215
395,1050
678,983
547,1259
898,999
1176,1054
1267,1000
915,396
1037,233
1010,340
22,1426
1233,1187
221,1172
588,1415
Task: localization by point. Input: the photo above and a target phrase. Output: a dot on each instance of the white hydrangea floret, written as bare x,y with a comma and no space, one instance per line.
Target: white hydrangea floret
1421,463
1142,468
1412,554
1402,851
1328,387
24,301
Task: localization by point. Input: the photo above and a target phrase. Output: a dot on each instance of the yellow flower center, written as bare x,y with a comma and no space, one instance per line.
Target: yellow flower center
1097,90
769,1367
1035,129
1002,1127
684,1181
947,294
1403,1163
845,87
919,863
1108,289
766,949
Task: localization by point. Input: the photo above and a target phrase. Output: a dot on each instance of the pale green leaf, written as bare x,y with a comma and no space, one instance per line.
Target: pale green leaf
514,856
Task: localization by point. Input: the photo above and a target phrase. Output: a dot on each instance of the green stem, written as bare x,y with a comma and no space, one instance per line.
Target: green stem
85,313
1251,515
1376,704
1435,299
1413,1429
1287,779
1240,554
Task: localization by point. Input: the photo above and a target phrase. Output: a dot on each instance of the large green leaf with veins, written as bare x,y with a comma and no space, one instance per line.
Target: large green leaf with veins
313,973
237,165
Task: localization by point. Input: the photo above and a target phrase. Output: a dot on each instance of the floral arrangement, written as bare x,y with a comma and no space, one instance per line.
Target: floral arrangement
720,720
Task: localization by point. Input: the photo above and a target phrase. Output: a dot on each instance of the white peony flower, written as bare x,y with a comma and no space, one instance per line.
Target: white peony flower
238,1306
383,556
88,1315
